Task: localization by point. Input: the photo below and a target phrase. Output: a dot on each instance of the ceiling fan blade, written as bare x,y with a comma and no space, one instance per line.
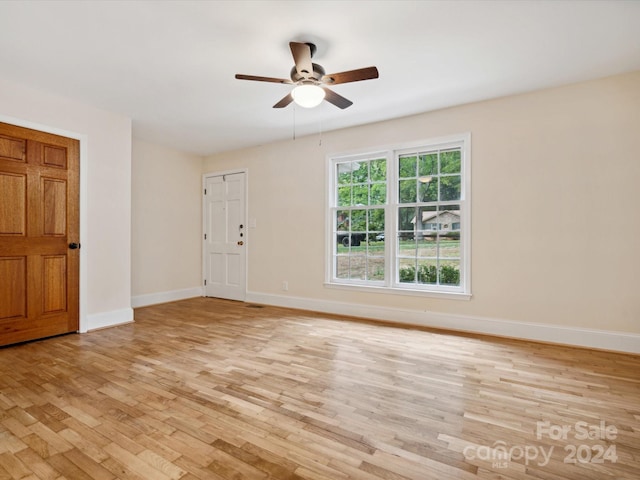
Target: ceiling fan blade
338,100
302,57
367,73
284,102
262,79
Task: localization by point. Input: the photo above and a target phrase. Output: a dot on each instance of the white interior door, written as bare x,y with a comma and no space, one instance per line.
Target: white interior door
225,237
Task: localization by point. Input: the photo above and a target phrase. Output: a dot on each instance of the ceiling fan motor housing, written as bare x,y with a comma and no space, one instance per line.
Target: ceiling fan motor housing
311,77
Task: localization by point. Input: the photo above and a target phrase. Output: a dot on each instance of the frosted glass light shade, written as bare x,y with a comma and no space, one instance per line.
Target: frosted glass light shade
308,96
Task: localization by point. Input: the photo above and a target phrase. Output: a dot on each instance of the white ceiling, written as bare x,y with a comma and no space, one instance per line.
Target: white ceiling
170,65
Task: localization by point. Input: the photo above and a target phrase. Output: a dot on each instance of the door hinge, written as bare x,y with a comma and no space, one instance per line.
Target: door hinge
205,191
205,236
205,282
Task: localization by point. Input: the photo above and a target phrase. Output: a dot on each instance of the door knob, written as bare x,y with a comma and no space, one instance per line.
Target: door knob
74,246
241,243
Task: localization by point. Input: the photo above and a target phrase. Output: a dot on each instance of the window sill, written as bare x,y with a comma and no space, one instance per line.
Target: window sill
399,291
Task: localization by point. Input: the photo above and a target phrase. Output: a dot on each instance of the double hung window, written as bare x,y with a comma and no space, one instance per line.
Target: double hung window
399,219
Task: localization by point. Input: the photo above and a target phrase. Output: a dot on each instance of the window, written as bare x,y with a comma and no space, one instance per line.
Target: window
399,219
359,219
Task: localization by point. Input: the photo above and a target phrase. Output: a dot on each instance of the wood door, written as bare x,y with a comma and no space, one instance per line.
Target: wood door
225,237
39,234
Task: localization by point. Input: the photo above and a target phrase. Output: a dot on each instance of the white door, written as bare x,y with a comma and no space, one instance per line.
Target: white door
225,239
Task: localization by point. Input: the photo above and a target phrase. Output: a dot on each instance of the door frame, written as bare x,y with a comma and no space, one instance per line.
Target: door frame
82,138
220,173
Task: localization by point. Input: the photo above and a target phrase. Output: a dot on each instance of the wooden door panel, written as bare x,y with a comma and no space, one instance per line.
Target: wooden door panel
54,206
53,156
54,274
39,218
13,209
12,148
13,287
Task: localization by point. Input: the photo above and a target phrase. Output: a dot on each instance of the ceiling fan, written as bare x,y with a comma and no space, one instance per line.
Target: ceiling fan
311,81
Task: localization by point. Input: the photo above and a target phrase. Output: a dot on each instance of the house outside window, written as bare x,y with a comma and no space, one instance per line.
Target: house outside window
399,219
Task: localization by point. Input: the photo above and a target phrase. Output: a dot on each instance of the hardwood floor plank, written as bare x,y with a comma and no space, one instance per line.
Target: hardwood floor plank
121,471
37,465
55,443
67,468
134,462
88,465
195,470
82,444
191,448
16,428
13,466
207,389
161,464
38,445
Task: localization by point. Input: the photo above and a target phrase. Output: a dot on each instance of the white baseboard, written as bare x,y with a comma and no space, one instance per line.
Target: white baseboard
579,337
164,297
109,319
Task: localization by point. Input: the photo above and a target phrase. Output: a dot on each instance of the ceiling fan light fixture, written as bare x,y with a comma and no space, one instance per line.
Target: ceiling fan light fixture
308,96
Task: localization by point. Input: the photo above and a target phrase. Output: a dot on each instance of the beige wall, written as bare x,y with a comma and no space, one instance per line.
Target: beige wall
105,142
166,220
545,166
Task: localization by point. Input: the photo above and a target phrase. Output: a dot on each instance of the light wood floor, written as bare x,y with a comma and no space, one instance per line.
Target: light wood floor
212,389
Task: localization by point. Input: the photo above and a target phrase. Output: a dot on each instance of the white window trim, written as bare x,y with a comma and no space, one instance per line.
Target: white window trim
391,285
